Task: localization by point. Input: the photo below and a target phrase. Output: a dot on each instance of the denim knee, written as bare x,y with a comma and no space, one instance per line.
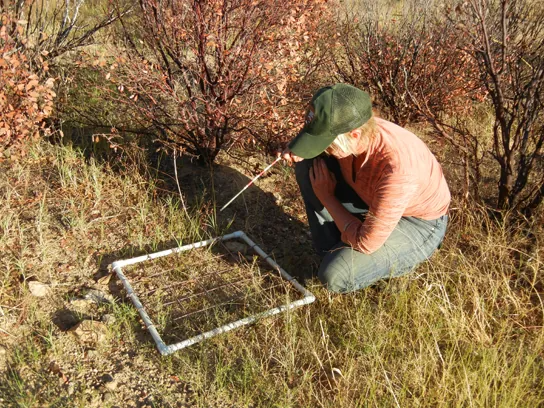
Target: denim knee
332,280
333,276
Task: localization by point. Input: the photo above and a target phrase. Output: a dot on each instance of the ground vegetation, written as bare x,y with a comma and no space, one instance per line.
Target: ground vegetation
99,135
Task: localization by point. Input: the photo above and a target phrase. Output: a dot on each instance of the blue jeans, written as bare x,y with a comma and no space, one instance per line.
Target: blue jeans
344,269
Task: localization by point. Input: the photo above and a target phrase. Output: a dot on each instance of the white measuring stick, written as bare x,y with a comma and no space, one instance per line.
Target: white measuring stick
251,182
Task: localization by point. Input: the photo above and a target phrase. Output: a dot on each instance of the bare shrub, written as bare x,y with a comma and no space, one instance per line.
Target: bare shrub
34,34
207,73
437,63
406,55
25,99
506,39
47,29
413,62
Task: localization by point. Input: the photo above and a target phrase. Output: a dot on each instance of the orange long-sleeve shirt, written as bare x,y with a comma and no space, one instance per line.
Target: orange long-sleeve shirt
397,176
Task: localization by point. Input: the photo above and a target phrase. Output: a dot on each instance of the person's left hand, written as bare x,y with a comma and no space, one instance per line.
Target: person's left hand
323,181
289,156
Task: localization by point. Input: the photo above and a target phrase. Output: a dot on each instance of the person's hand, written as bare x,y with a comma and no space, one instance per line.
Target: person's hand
323,181
289,156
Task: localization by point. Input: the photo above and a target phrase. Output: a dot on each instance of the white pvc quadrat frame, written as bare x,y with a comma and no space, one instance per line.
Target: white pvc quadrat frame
166,349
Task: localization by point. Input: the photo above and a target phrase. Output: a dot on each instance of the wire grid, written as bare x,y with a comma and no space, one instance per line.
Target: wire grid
194,291
197,293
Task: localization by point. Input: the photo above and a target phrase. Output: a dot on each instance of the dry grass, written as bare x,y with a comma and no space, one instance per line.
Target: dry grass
462,330
195,291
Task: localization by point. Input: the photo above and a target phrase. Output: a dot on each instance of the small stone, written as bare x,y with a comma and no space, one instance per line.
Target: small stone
111,385
108,319
81,304
71,389
234,246
38,289
89,331
107,397
98,296
106,378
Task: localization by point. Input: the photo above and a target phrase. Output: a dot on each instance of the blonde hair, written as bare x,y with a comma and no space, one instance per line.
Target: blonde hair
344,142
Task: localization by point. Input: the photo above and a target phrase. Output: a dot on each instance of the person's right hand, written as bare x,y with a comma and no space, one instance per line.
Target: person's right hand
289,156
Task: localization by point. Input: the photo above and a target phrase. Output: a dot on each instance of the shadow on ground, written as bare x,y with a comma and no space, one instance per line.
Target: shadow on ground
256,212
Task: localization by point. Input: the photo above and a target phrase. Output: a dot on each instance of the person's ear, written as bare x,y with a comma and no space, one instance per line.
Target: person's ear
355,133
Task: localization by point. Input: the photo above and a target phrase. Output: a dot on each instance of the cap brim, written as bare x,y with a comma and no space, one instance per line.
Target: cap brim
308,146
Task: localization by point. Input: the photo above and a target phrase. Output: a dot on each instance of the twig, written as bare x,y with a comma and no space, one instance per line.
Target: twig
6,332
179,188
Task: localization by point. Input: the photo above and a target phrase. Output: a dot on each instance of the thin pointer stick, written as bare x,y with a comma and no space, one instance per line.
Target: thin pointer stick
251,182
179,188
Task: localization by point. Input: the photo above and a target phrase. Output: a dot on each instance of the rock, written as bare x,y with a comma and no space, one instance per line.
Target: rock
71,388
65,319
111,385
107,397
3,359
109,319
109,382
38,289
98,296
90,331
234,246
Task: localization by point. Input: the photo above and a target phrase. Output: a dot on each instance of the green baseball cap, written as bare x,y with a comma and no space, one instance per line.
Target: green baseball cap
334,110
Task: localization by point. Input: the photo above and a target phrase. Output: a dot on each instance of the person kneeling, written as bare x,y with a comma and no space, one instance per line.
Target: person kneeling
375,196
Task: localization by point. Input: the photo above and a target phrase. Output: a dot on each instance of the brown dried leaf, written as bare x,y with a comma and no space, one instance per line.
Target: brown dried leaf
104,280
33,83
